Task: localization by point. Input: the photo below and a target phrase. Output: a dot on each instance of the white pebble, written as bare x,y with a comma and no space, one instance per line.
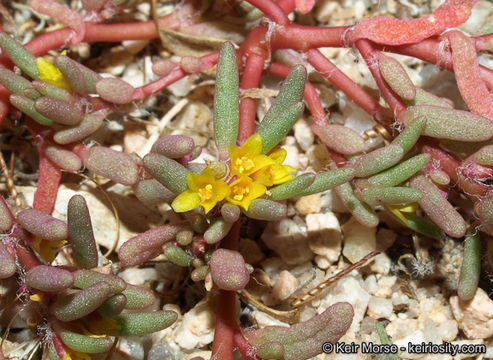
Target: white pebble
285,286
379,307
359,240
324,234
475,317
303,134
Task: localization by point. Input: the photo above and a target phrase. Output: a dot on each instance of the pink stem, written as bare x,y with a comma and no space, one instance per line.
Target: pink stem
371,58
152,88
328,70
226,310
271,10
248,106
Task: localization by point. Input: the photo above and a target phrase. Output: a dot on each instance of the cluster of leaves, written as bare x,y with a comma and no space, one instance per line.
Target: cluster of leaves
83,305
411,177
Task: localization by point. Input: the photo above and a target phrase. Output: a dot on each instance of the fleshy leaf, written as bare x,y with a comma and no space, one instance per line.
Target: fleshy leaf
112,164
43,225
49,278
228,270
390,195
59,111
361,211
77,305
267,210
340,138
438,208
26,105
408,138
13,82
327,180
303,340
484,156
115,90
378,160
168,172
7,263
6,221
151,192
64,14
146,245
467,72
291,188
145,323
177,255
62,157
217,231
174,146
396,76
20,56
138,297
83,343
471,267
444,123
81,237
286,109
86,278
89,124
113,306
401,172
226,99
82,79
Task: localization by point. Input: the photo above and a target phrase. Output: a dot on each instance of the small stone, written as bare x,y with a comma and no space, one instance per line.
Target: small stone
380,308
310,204
370,284
385,285
348,289
359,240
417,337
303,134
474,317
285,285
324,234
380,264
434,309
287,239
197,327
385,238
322,262
400,328
448,330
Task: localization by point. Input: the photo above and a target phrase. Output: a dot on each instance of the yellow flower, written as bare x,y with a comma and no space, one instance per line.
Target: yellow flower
276,173
397,210
47,249
51,74
203,190
244,191
248,158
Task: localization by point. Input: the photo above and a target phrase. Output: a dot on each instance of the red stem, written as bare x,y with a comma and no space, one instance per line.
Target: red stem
271,10
226,311
248,106
328,70
371,58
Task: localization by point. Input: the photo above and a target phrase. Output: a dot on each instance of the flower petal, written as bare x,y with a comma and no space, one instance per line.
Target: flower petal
221,189
186,201
252,146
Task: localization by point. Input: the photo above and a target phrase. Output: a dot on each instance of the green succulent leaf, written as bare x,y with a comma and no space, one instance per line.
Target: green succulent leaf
226,98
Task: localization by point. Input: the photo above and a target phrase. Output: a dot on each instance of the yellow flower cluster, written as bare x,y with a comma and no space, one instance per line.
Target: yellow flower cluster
251,174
